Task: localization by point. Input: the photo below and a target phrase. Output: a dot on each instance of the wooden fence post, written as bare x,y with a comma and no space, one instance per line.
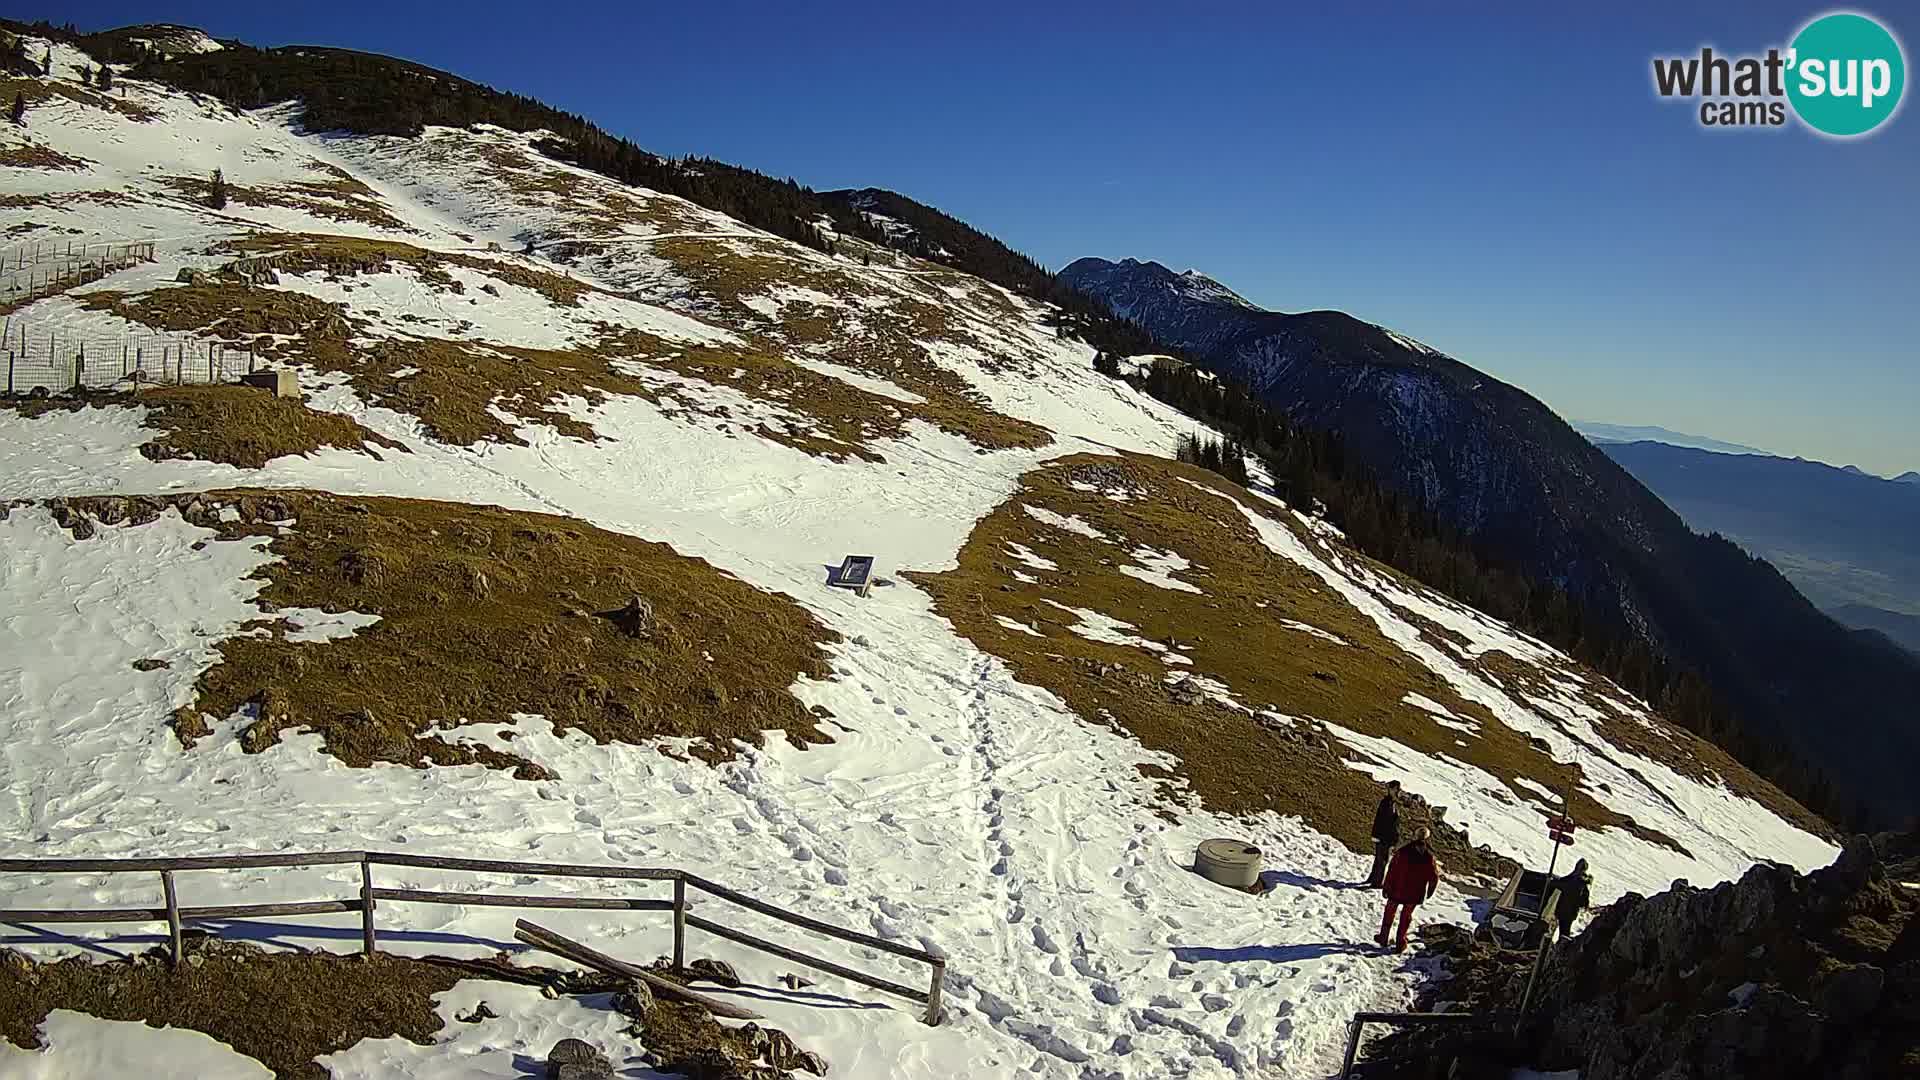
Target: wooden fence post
679,922
368,942
933,992
173,917
80,368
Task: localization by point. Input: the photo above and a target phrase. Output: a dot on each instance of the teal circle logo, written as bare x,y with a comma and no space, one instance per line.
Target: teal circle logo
1845,74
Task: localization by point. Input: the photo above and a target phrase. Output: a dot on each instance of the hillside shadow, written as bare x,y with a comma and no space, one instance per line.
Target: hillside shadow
289,935
1269,879
1271,954
132,944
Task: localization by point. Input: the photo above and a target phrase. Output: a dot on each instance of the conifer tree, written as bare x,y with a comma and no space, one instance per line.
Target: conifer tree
105,81
217,195
19,107
86,76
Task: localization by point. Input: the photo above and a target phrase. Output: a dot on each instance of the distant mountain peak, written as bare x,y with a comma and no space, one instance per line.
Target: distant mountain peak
1911,476
1602,434
1185,285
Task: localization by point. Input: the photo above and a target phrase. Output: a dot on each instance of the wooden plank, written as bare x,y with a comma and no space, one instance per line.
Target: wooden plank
935,991
67,915
541,938
262,911
794,955
204,862
173,917
497,866
422,896
815,925
187,914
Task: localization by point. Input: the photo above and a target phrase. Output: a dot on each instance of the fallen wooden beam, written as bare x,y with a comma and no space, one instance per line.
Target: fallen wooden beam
546,940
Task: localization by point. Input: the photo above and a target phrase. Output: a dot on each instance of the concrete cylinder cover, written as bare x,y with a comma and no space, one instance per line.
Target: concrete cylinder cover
1233,863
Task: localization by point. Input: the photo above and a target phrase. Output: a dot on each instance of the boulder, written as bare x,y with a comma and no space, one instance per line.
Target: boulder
635,1001
635,619
714,971
1849,993
1186,692
573,1059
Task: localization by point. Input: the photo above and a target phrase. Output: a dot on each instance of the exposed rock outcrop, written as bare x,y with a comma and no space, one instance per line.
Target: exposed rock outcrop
1777,976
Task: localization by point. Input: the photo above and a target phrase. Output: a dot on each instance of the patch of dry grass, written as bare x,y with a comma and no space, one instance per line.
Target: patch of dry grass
1234,632
1679,749
282,1009
285,1009
459,389
333,199
40,91
345,256
227,310
246,427
885,344
235,425
485,613
35,156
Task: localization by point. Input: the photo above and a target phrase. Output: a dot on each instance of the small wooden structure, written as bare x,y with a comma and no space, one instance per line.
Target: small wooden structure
279,382
174,915
1523,912
855,572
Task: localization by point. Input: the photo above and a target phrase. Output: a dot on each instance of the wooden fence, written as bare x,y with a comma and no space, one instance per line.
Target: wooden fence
372,895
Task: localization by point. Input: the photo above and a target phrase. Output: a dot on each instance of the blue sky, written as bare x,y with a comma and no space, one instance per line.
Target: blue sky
1503,184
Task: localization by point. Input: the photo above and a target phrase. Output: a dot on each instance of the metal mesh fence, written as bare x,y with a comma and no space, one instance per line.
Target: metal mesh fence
30,271
43,356
58,363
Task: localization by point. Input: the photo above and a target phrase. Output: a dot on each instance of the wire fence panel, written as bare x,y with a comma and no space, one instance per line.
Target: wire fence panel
44,357
59,363
30,271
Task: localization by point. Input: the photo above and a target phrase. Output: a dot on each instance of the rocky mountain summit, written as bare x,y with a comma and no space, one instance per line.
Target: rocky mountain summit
1776,975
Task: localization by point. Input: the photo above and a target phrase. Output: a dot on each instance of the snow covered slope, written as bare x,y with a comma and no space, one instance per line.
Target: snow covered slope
651,369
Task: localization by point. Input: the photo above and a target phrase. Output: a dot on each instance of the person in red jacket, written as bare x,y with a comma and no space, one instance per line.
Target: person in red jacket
1411,878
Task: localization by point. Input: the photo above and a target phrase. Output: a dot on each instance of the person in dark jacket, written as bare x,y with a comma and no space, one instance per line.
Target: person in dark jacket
1386,832
1575,892
1411,878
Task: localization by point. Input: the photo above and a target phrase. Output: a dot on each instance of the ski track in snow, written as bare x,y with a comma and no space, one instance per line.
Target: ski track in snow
957,810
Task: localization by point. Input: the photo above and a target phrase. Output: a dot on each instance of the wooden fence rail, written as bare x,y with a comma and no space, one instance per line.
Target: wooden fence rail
174,915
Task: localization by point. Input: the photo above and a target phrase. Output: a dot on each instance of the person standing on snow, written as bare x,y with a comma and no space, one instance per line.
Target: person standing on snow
1411,878
1575,892
1386,832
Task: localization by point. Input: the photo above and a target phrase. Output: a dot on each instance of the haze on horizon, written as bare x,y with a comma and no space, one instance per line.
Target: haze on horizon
1502,185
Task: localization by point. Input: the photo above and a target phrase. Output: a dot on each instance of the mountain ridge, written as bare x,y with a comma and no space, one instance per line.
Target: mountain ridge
1625,433
1843,536
1495,462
